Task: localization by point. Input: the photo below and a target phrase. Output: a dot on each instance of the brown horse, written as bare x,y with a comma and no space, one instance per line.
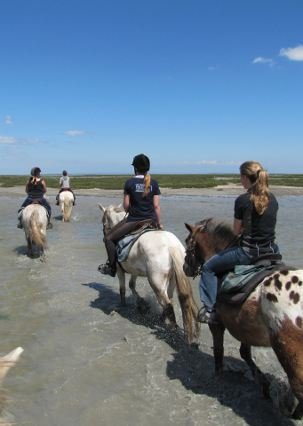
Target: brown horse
272,316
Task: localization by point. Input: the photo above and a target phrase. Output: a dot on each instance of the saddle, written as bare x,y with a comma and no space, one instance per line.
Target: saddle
33,201
235,287
125,244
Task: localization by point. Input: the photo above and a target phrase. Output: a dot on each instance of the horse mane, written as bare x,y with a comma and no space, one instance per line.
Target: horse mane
220,232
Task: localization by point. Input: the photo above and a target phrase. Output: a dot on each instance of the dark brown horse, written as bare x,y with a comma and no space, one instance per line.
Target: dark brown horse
272,316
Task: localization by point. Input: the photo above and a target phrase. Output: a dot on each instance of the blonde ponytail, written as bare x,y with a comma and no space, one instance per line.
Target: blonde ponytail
259,184
147,184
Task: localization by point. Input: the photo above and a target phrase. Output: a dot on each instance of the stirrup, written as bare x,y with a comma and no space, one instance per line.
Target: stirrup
49,226
203,315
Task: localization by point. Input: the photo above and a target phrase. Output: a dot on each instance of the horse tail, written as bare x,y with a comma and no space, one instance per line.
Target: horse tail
188,305
37,233
67,208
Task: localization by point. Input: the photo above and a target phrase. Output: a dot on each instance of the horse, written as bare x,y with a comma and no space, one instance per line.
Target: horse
34,222
159,256
6,363
271,316
9,360
66,201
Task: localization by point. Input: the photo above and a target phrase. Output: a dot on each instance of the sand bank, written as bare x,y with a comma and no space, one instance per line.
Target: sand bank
218,190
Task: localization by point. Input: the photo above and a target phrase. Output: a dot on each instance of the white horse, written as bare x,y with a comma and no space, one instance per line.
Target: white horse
6,363
66,200
34,221
159,256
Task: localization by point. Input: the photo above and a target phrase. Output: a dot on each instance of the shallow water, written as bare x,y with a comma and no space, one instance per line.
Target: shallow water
87,362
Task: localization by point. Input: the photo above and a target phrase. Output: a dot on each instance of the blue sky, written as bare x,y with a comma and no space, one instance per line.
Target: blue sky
198,85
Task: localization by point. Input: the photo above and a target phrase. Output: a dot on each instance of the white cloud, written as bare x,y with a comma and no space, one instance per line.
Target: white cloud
8,119
74,132
293,53
262,60
7,140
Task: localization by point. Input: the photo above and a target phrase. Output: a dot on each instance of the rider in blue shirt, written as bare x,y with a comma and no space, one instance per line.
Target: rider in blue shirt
141,201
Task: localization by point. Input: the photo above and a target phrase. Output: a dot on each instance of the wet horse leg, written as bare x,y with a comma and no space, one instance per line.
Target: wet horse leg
142,305
287,345
245,352
121,277
29,247
217,331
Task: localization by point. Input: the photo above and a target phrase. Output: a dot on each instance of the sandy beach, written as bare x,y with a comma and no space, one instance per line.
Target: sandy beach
222,189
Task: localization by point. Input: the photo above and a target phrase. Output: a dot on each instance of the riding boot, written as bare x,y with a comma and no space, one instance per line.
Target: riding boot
109,268
49,224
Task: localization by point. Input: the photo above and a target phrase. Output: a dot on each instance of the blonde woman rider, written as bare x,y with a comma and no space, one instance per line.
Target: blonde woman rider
141,201
255,216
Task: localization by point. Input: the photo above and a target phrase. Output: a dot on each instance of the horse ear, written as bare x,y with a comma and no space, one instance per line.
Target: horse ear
101,207
188,227
120,206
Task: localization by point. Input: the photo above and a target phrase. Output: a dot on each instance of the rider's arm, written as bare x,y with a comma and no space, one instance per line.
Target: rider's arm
44,185
238,227
156,203
126,202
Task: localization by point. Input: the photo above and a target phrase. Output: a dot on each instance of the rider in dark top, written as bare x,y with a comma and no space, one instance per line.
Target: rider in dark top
35,189
255,217
141,201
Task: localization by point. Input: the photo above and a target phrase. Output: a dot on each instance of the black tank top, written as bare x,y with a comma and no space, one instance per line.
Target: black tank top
35,190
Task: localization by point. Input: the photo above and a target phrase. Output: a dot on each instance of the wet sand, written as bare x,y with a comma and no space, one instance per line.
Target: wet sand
86,361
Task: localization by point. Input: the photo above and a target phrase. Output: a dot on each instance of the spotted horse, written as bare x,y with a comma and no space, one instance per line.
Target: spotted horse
271,316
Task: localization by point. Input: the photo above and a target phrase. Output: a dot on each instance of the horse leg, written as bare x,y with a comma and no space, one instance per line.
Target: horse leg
260,378
217,331
287,345
142,305
29,247
121,277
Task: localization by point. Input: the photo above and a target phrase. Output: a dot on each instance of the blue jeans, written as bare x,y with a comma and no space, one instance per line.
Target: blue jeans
217,264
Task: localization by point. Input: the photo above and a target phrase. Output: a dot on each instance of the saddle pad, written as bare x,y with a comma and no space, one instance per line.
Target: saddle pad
125,244
237,285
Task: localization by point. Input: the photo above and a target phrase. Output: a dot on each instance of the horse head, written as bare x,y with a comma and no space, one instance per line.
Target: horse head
111,216
206,238
192,260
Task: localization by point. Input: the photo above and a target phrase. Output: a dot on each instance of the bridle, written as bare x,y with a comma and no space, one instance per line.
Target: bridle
193,258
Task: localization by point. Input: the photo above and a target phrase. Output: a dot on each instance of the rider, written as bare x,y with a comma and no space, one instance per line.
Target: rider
35,189
255,216
141,201
64,184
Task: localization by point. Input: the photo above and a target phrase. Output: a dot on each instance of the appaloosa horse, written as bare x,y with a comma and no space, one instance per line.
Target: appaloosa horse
159,256
272,316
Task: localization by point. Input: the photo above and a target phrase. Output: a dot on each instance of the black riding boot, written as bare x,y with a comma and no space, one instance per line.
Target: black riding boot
109,268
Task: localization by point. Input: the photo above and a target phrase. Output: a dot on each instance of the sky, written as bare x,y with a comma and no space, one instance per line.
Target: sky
199,86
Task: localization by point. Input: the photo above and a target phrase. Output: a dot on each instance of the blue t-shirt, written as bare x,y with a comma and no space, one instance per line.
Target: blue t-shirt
140,207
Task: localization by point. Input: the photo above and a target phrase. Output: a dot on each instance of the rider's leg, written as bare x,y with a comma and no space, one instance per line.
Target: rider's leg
110,240
217,264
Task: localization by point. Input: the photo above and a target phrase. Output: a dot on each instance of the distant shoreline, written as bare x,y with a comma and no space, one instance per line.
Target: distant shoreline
216,191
